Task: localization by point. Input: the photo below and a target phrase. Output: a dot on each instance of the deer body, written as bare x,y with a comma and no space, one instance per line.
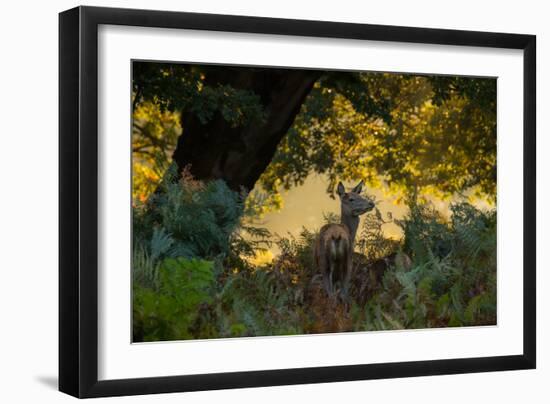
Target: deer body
334,246
332,255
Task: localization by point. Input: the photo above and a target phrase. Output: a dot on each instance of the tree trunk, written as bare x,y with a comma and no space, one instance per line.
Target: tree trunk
215,150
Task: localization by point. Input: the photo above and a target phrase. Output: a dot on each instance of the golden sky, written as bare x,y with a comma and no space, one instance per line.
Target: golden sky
305,205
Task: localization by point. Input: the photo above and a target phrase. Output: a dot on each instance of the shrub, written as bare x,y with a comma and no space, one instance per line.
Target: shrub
452,281
185,218
169,311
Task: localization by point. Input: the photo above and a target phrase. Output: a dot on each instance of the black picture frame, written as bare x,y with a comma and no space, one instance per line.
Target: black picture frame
78,201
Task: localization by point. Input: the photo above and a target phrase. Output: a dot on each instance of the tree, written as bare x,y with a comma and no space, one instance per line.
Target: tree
276,126
412,132
240,154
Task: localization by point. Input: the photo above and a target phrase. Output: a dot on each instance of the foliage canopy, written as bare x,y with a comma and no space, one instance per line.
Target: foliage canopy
415,133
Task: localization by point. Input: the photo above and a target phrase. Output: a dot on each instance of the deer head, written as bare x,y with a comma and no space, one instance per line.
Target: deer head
353,205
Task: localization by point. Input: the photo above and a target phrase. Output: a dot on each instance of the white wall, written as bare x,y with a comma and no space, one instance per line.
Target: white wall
28,214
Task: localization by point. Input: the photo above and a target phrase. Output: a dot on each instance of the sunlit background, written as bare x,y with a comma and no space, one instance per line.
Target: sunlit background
306,206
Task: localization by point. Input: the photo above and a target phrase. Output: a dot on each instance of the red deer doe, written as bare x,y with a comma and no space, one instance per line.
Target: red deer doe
334,246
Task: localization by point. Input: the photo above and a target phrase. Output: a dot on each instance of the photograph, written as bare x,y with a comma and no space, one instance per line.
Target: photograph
278,201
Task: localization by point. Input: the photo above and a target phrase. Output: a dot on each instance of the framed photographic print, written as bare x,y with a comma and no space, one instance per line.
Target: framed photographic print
250,201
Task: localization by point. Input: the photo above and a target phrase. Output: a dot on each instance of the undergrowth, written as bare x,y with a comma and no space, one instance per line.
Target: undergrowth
193,277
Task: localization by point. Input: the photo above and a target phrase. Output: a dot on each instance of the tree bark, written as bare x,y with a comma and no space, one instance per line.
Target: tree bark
215,150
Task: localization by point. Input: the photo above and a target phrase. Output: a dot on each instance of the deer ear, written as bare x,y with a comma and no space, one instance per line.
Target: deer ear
358,188
340,189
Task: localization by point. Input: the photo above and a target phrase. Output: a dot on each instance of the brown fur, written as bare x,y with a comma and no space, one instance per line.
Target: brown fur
333,249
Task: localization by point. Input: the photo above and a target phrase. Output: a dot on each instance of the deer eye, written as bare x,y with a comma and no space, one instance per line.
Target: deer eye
350,199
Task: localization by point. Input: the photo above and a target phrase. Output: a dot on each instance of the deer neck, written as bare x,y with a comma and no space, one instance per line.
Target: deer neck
351,222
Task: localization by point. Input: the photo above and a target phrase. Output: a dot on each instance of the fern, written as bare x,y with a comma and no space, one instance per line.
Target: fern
145,268
192,278
169,312
188,218
161,242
